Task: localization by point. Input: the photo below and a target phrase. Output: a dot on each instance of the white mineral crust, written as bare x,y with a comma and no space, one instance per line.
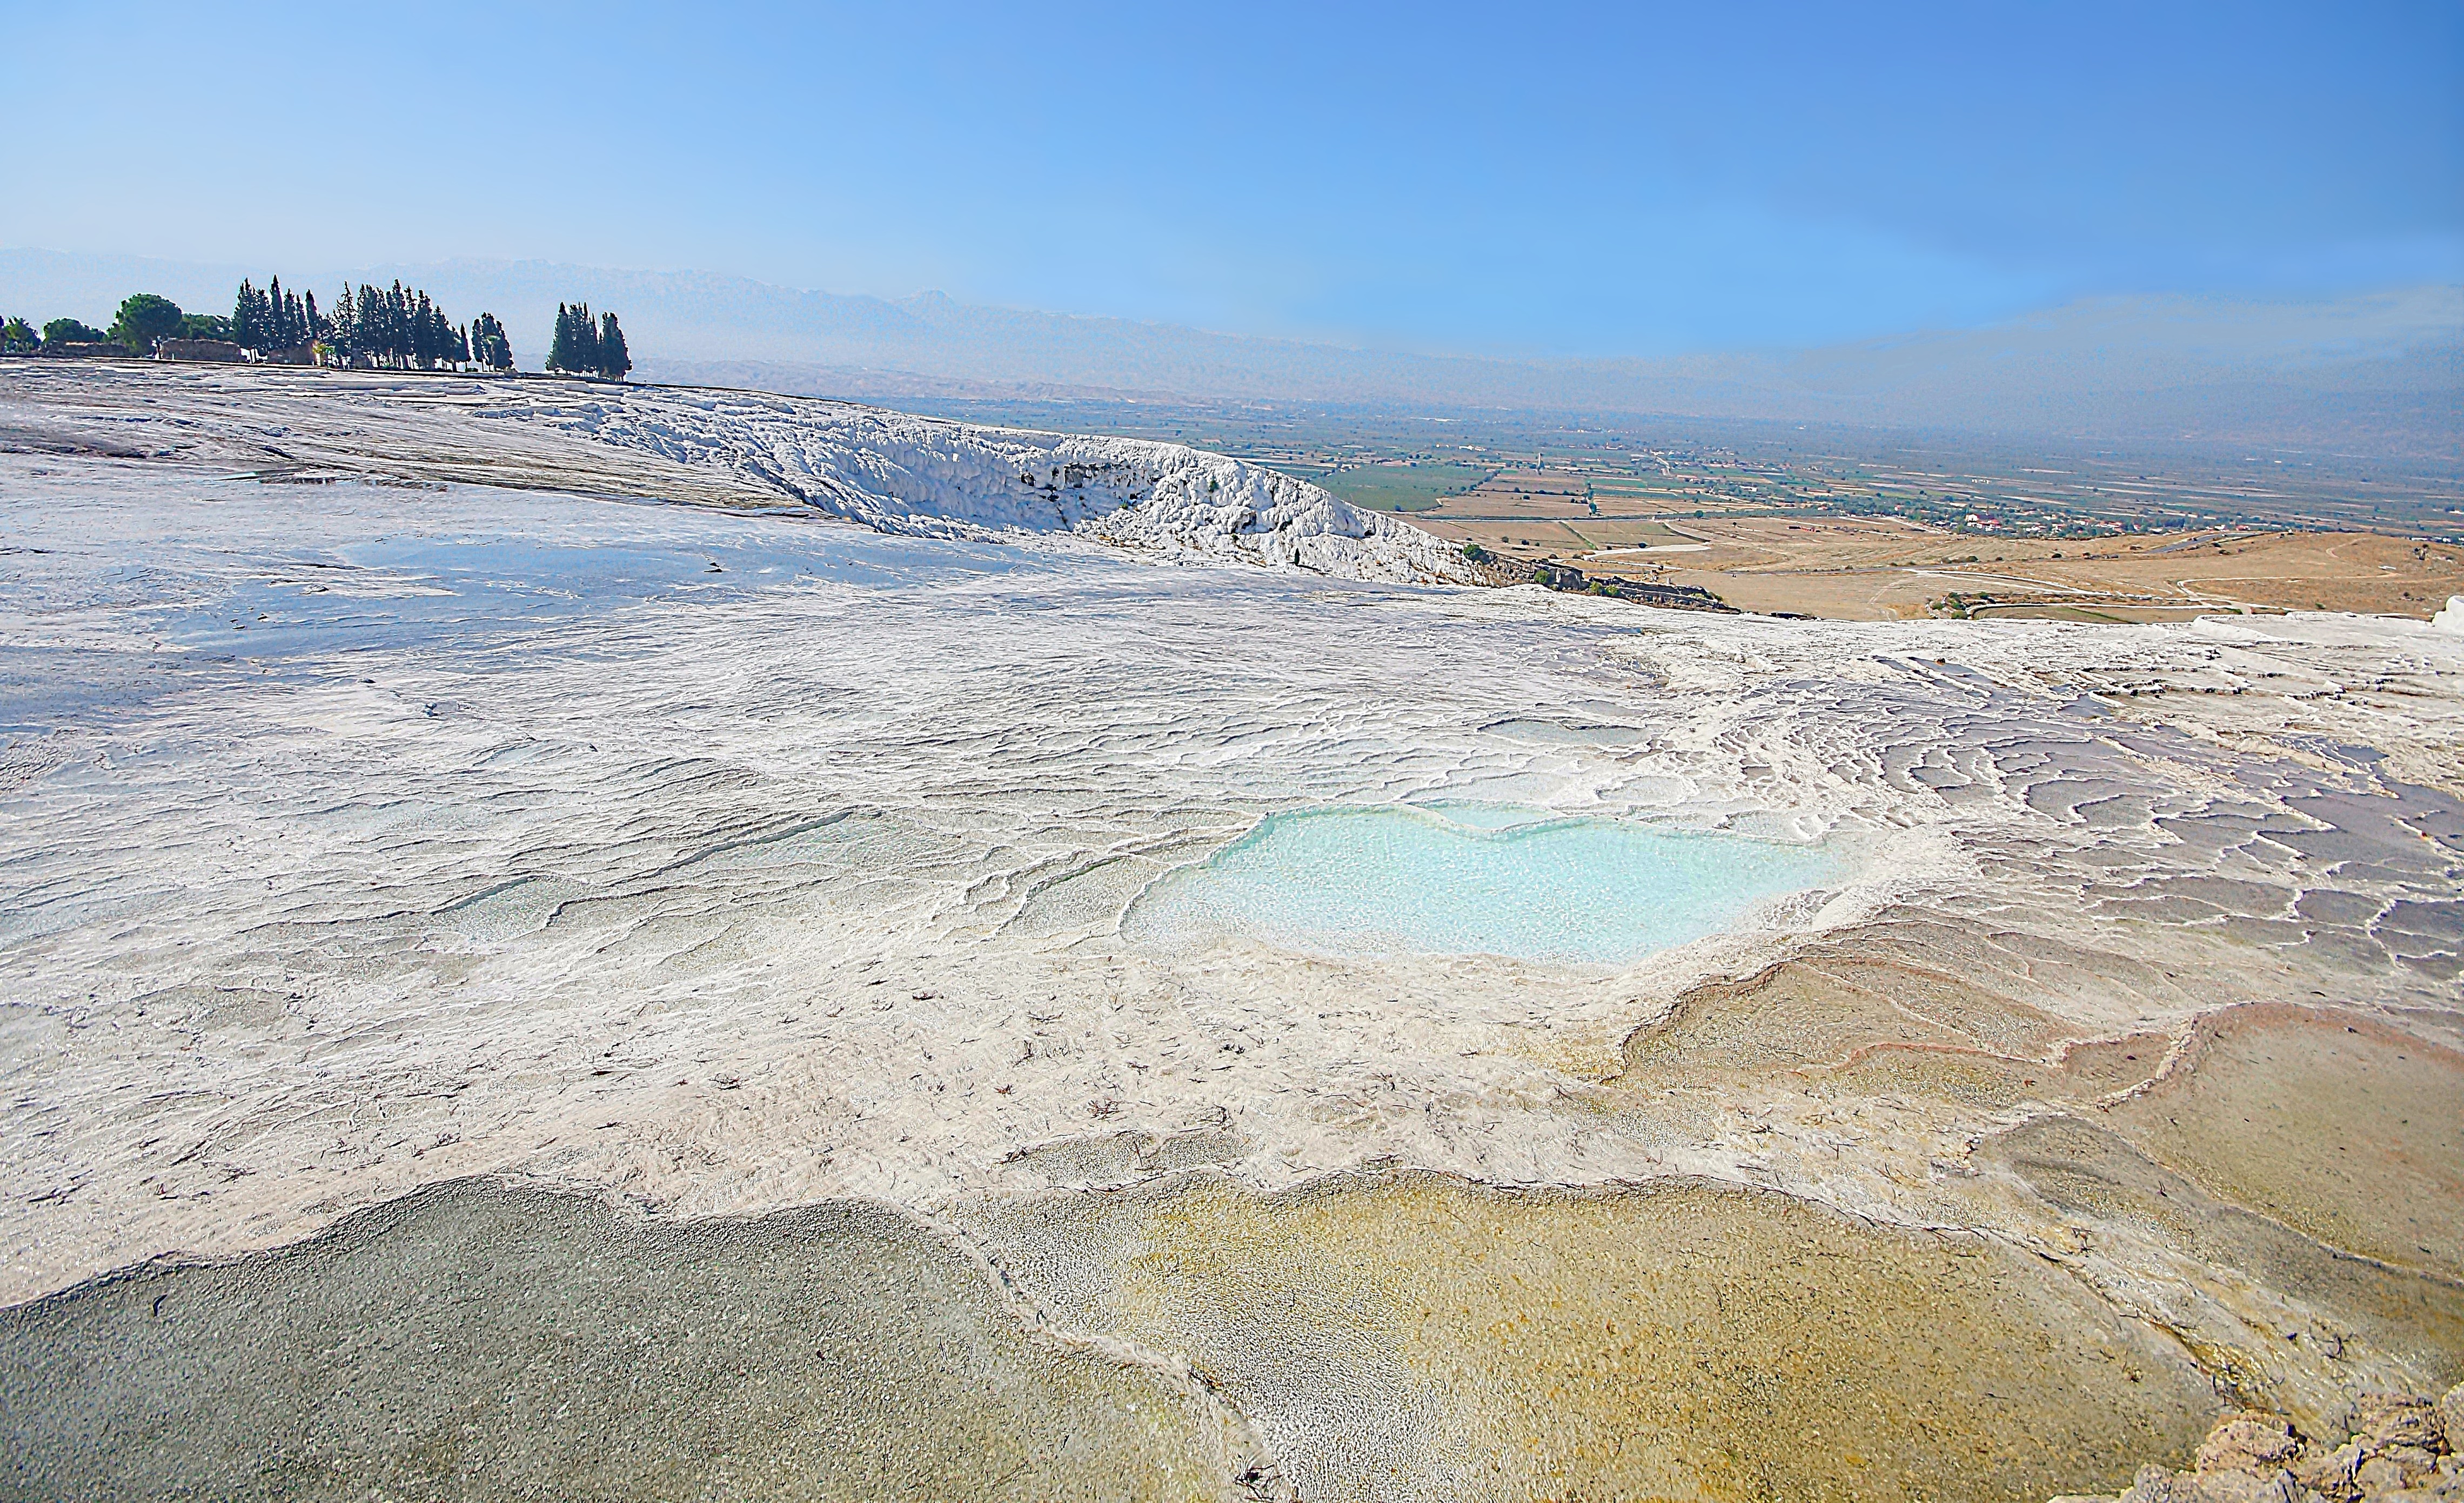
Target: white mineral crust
359,835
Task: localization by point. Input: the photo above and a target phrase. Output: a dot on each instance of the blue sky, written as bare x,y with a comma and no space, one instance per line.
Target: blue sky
1626,179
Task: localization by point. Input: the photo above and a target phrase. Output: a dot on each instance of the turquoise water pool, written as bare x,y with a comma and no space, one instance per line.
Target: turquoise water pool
1473,879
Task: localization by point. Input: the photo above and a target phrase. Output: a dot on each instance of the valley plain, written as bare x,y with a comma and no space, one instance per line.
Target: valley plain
1853,525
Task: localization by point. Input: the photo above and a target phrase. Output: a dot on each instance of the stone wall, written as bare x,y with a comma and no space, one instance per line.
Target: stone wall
221,350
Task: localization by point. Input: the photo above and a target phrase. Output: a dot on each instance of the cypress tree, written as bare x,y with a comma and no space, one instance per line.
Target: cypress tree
489,344
346,324
244,330
614,360
560,350
316,323
586,338
423,332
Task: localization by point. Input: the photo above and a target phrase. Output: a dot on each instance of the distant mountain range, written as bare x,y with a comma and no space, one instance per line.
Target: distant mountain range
2375,374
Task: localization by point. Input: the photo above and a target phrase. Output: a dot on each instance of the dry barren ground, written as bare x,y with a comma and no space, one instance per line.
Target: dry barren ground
1848,568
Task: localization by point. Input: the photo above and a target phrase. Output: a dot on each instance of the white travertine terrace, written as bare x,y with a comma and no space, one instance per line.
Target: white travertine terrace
890,471
359,836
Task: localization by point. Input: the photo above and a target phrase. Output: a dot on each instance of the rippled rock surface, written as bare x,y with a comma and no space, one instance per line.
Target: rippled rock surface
367,829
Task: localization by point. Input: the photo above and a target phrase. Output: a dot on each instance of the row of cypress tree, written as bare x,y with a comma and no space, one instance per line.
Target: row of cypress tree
394,326
389,326
584,348
275,320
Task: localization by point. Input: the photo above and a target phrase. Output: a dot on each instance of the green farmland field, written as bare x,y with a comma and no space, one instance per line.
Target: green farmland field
1399,488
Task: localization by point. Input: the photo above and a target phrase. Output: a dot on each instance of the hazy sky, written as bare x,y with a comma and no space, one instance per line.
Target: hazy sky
1591,180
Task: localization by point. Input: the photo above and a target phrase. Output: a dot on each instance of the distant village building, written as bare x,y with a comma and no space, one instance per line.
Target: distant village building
1667,597
1673,596
222,350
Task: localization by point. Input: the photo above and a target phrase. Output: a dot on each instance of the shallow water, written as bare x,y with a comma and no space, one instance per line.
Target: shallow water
1475,880
461,578
485,1340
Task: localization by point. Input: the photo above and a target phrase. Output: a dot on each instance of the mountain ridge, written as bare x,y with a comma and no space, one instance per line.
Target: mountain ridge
2382,371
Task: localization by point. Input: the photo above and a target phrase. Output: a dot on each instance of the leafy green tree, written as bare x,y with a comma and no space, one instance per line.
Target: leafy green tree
18,336
145,318
614,360
204,326
69,331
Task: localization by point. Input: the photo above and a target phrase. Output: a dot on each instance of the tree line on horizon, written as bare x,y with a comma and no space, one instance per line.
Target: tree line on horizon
388,327
393,327
143,321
